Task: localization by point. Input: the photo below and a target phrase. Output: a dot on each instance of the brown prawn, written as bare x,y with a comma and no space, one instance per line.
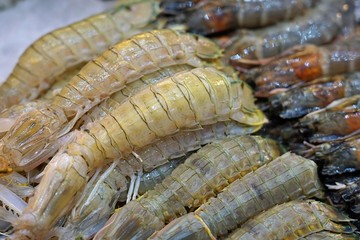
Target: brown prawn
79,42
339,119
33,134
295,220
185,101
345,191
286,178
337,157
309,62
328,18
209,17
301,100
178,6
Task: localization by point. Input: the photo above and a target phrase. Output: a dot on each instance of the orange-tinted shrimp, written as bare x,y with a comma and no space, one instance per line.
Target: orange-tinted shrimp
308,63
210,17
339,119
301,100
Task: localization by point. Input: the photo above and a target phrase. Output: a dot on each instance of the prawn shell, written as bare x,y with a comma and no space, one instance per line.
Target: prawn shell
306,63
254,47
340,118
218,16
306,98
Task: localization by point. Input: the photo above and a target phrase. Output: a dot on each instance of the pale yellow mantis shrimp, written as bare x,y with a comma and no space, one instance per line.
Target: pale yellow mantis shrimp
297,220
93,209
285,178
65,47
28,142
9,115
187,100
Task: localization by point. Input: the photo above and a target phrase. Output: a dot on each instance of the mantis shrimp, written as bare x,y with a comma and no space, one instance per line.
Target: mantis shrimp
327,235
202,176
18,184
9,115
188,100
79,42
286,178
28,142
309,62
99,111
92,211
159,159
296,220
11,206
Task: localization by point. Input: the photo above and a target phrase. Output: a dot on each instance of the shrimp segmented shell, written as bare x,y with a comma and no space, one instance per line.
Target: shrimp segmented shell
9,115
301,100
286,178
210,17
187,100
339,119
65,47
306,218
24,145
159,159
202,176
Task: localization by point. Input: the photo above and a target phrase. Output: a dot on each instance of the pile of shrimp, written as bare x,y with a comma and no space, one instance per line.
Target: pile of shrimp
311,94
186,119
